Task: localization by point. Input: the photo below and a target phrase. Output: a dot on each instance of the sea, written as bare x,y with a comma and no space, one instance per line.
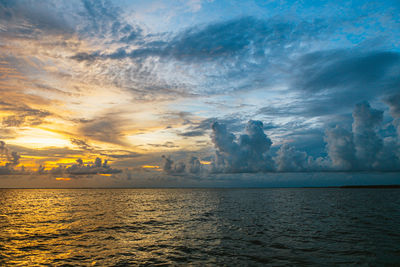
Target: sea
200,227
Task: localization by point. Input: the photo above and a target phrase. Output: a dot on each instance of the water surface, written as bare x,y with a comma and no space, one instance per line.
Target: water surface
117,227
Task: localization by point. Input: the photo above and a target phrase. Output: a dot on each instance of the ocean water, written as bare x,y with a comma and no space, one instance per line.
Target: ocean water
223,227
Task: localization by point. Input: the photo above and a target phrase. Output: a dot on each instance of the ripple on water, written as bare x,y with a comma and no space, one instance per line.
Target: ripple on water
164,227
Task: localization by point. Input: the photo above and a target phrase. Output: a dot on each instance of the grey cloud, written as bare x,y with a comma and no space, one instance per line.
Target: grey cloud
246,35
290,159
354,69
12,159
23,115
192,133
247,154
98,167
107,129
173,168
81,144
331,82
126,155
194,165
394,104
367,143
203,127
167,144
29,19
340,147
361,149
240,52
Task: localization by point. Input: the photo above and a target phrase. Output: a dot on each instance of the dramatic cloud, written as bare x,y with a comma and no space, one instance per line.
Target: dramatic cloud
394,104
248,154
362,149
129,81
23,115
289,159
340,147
12,159
105,129
80,168
172,168
367,143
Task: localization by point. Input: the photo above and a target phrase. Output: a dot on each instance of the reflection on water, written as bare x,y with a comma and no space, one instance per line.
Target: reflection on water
199,226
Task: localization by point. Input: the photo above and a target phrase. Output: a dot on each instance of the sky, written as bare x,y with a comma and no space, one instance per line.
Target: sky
199,93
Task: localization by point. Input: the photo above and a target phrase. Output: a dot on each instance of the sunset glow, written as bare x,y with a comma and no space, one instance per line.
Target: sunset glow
148,93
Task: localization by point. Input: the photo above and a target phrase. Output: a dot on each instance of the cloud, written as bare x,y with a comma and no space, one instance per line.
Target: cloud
106,129
238,54
30,19
167,144
361,149
367,143
394,104
173,168
23,115
195,165
352,68
247,154
203,127
341,149
333,81
290,159
11,158
81,144
98,167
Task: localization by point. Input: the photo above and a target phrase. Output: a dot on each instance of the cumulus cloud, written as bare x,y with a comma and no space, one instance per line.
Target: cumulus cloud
394,104
11,159
340,148
367,143
247,154
98,167
173,168
290,159
361,149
